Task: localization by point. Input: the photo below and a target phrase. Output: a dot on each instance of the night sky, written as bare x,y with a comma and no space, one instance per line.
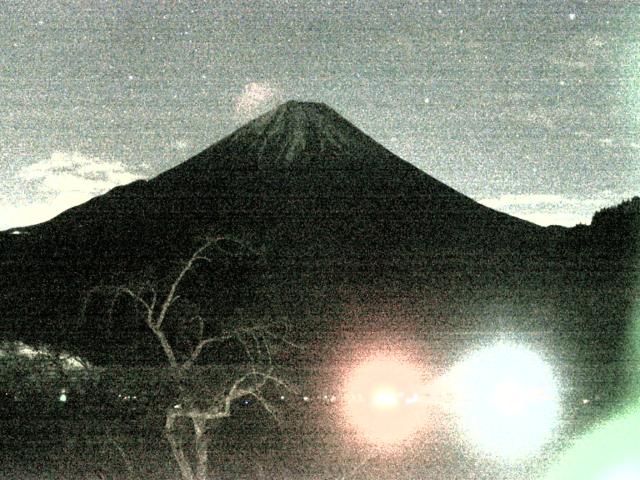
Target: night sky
531,107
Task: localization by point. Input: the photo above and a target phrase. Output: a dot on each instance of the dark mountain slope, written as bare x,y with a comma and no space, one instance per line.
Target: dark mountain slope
303,178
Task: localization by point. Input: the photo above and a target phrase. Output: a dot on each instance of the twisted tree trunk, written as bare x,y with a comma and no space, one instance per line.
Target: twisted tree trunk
202,447
176,447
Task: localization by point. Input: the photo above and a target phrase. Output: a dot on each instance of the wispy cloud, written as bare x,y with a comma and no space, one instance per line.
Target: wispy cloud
553,209
571,64
62,181
65,171
606,142
255,98
521,200
581,54
619,143
566,219
180,145
549,117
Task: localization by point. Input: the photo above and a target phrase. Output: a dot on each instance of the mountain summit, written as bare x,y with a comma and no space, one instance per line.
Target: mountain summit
295,132
305,179
297,135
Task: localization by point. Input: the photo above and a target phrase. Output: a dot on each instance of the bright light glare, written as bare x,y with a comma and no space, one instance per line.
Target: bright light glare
385,397
626,471
374,404
507,399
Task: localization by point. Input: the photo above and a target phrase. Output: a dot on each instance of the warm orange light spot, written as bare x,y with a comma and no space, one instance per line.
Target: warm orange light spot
382,399
385,397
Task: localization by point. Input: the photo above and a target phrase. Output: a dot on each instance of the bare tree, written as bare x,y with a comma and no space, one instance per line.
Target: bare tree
203,404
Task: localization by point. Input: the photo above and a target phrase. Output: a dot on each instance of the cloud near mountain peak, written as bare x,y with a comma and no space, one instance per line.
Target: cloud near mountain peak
62,181
256,98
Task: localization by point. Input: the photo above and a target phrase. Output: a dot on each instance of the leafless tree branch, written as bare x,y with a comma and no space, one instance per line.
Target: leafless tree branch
257,342
195,353
171,296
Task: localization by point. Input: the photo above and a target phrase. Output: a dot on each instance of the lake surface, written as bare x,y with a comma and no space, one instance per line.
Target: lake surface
124,441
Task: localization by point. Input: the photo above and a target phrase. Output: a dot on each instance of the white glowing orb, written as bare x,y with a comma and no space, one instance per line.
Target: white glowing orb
374,406
507,400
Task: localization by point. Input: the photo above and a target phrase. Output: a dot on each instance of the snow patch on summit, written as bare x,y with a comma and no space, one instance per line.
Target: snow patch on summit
295,130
